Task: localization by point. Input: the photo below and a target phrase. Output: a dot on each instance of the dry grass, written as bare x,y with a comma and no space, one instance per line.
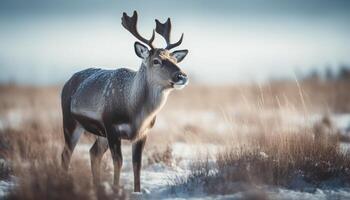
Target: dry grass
161,156
274,159
35,162
32,143
277,160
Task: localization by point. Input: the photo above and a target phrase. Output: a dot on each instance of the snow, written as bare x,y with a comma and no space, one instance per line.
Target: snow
317,195
10,119
342,122
5,186
156,178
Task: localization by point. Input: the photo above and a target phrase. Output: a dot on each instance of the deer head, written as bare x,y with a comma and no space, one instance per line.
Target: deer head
161,64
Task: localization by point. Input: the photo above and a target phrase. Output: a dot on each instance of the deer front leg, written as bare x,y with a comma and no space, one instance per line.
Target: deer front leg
137,148
114,143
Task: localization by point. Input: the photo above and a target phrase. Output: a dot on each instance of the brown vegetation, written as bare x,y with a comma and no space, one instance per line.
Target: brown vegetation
252,121
274,159
34,159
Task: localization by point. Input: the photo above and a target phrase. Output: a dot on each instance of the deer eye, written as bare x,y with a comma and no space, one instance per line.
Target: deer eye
156,62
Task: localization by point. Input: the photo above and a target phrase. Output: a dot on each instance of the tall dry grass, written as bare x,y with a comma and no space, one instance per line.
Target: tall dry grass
33,153
31,137
291,160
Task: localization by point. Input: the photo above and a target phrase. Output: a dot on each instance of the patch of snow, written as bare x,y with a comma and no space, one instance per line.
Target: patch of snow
342,122
317,195
191,151
345,147
263,154
12,118
5,186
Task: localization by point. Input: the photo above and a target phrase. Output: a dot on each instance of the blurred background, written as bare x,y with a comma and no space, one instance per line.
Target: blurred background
45,41
266,114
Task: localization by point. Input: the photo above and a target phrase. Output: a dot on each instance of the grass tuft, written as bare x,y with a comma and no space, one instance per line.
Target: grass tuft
278,160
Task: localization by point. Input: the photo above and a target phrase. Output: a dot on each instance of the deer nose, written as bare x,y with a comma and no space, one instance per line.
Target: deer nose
179,76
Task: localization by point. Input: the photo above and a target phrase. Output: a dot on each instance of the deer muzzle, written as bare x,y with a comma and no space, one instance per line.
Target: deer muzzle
179,80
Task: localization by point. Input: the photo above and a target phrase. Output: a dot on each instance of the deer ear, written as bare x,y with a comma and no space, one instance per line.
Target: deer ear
179,55
141,50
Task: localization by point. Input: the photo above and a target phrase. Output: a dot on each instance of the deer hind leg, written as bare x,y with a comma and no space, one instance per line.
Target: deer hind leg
72,132
96,152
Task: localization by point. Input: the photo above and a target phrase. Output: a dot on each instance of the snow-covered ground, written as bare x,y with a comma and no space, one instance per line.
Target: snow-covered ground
155,178
4,187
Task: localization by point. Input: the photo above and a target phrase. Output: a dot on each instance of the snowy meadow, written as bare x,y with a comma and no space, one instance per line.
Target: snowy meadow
277,140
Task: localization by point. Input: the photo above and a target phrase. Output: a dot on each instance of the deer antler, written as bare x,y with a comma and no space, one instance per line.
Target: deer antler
164,30
129,23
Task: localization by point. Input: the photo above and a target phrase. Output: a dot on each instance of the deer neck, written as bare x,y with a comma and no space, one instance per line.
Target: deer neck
146,97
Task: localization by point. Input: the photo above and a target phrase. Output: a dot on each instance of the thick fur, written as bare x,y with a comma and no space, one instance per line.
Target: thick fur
115,105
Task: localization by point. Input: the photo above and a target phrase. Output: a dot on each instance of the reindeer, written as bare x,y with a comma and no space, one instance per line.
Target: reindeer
122,103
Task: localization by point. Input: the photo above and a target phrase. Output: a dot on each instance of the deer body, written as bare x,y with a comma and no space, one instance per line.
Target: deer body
121,97
122,103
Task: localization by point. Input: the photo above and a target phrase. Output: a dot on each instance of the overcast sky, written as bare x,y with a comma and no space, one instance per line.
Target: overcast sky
44,42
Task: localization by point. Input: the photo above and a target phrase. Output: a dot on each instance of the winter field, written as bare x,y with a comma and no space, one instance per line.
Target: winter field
278,140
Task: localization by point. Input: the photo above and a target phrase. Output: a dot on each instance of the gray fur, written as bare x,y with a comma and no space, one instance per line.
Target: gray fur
124,92
120,104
